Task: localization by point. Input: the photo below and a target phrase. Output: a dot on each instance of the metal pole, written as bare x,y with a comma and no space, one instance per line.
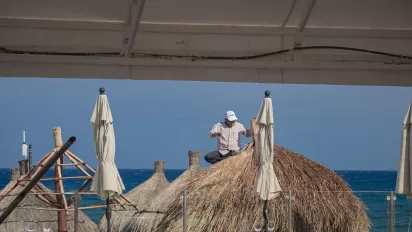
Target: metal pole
30,157
76,211
265,215
290,211
390,205
108,215
185,211
36,179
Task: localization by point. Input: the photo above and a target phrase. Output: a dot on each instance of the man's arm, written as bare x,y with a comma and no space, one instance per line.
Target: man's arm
247,133
215,131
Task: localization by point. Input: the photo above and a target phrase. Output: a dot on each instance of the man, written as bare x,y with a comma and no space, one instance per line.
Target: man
228,138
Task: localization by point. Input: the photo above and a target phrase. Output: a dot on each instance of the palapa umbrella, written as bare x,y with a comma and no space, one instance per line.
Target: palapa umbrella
148,220
220,199
403,182
266,184
107,182
141,195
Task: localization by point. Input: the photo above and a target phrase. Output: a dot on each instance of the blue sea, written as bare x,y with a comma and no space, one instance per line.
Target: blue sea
374,187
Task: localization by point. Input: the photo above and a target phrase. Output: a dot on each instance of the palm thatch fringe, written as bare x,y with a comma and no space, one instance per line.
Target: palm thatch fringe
141,196
221,198
147,221
19,219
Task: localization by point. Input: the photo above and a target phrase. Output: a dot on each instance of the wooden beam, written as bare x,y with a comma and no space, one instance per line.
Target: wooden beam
132,25
61,199
69,202
81,161
58,178
62,165
72,209
47,196
42,162
60,174
74,162
128,201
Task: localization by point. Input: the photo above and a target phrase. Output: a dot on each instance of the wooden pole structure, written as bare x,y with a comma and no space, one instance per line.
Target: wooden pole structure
35,179
58,183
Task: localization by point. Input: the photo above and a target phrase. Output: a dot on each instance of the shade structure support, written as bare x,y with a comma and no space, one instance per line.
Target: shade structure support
265,215
289,197
132,26
61,200
391,200
35,179
185,211
108,214
76,211
61,204
303,21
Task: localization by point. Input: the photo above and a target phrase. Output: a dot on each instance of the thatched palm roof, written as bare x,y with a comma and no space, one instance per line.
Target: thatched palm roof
20,217
221,198
141,196
147,220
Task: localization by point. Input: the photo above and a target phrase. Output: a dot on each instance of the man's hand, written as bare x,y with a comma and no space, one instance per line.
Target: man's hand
216,134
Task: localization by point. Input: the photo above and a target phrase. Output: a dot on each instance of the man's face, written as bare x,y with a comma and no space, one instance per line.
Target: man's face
230,123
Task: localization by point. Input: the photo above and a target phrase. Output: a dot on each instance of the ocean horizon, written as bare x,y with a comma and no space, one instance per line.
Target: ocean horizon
372,187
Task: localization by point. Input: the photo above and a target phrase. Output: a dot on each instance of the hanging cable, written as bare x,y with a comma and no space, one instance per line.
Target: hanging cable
252,57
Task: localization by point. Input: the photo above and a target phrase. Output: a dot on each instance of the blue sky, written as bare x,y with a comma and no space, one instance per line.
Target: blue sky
341,127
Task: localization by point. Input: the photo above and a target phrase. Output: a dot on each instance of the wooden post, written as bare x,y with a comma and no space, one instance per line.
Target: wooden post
76,211
57,134
35,179
58,183
255,139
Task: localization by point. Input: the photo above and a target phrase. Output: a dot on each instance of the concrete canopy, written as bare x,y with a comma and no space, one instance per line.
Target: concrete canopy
183,40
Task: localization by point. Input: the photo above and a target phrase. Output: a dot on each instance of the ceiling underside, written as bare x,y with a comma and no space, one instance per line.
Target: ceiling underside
186,40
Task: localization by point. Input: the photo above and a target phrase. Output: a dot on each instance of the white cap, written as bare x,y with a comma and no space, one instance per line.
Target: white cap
231,116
